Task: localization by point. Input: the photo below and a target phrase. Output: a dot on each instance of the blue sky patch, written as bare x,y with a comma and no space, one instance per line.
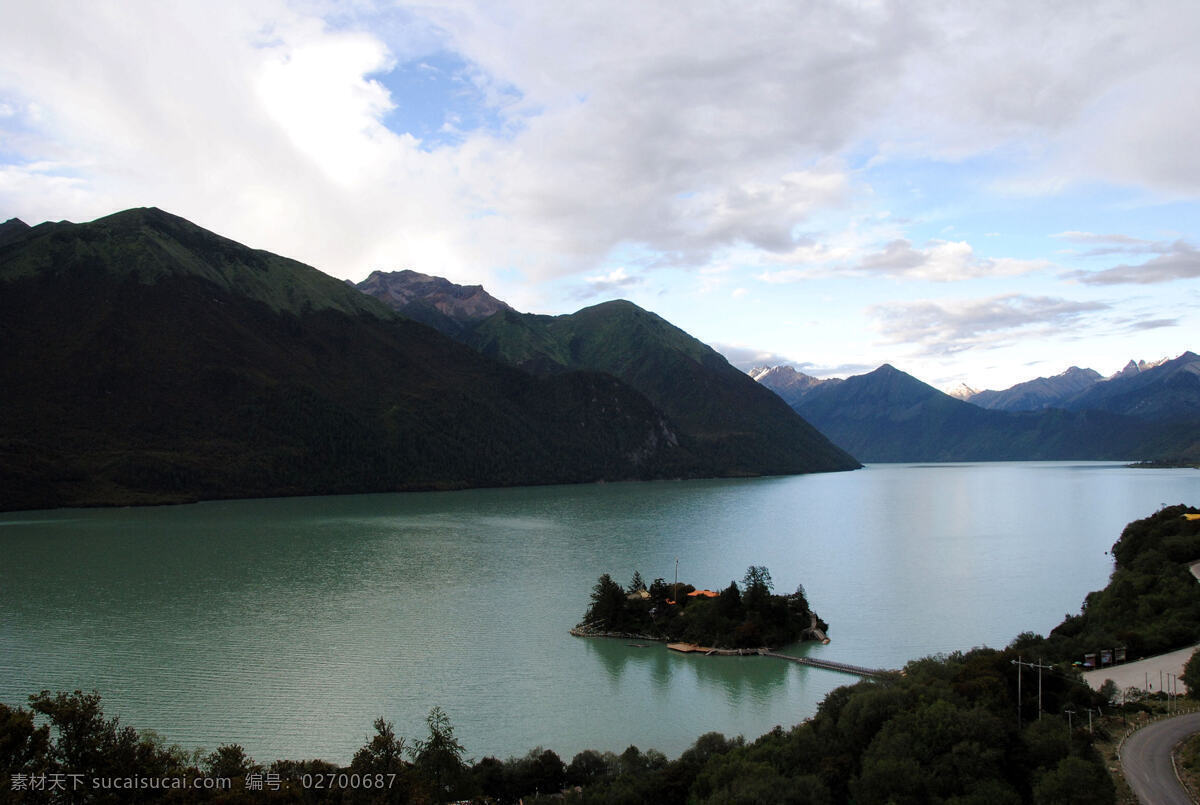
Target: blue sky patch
440,101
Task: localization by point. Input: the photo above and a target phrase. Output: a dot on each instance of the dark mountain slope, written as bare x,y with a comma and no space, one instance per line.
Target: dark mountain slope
147,360
13,229
721,407
732,425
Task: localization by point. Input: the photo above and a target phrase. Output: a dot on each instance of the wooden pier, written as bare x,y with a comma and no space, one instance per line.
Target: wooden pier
828,665
831,665
692,648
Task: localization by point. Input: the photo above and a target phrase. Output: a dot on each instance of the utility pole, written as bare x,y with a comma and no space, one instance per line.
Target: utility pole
1038,665
1070,721
676,581
1017,662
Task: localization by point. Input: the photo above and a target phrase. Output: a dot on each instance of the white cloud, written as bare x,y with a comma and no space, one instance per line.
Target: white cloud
747,358
1178,261
941,327
612,282
941,261
617,276
1172,260
1104,244
313,88
1092,237
937,261
680,135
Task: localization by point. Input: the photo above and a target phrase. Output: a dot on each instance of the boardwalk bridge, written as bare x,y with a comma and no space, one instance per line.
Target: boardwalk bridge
832,665
829,665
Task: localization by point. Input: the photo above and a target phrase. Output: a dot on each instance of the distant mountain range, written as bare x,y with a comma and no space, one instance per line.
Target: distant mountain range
788,383
1042,392
1145,412
147,360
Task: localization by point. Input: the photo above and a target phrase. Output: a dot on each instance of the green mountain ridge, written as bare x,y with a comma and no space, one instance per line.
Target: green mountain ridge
149,245
148,360
728,420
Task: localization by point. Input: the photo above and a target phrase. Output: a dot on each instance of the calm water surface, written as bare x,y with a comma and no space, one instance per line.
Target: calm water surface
288,625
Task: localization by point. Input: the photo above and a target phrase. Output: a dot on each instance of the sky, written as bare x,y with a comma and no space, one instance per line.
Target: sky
974,192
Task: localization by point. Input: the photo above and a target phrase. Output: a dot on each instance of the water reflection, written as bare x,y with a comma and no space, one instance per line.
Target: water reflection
736,679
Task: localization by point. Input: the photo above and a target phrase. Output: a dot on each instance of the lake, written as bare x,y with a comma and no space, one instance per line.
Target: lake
289,625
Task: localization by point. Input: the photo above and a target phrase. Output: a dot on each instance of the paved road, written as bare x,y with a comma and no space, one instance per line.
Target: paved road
1146,760
1136,674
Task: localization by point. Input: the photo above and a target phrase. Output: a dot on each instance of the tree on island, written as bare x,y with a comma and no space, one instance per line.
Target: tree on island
748,617
758,585
608,603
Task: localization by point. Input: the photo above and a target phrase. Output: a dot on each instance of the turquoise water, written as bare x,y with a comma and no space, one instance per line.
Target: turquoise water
289,625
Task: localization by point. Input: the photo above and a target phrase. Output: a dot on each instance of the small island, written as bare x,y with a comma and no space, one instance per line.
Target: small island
735,619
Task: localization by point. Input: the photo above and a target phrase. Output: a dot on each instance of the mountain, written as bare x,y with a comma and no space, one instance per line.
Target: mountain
1042,392
888,415
1162,391
13,229
788,383
149,247
731,424
435,301
1136,367
147,360
962,392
